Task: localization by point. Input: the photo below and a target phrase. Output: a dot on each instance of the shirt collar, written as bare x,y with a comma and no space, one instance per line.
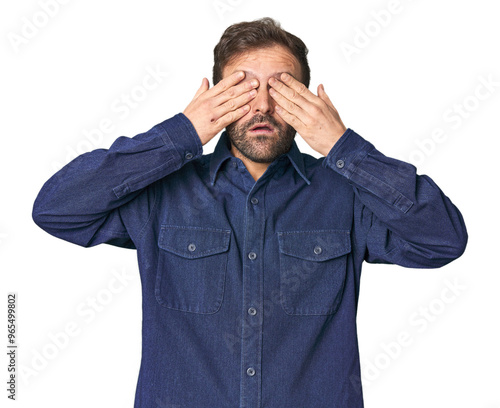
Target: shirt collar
222,152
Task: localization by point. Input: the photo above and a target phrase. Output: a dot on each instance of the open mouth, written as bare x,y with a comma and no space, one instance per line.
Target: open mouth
262,128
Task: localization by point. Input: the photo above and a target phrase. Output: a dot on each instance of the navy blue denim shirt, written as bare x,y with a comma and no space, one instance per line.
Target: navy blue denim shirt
250,288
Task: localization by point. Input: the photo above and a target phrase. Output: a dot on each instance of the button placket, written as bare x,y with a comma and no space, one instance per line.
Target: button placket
251,331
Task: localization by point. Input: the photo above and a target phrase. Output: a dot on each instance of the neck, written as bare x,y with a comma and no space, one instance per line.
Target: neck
255,169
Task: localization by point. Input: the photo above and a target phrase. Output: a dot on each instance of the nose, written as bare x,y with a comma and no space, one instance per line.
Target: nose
263,103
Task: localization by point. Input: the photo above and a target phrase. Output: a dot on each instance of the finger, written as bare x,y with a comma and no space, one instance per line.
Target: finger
289,118
235,103
322,94
203,88
289,93
310,106
235,91
231,117
226,83
298,87
287,104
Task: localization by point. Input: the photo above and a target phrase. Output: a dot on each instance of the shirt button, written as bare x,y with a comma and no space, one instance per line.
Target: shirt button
340,163
318,250
254,200
191,247
250,371
188,156
252,311
252,255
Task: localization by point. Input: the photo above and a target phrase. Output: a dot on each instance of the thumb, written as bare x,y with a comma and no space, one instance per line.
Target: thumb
203,88
322,94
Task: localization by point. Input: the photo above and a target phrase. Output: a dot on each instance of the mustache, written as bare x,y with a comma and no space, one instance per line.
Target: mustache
261,119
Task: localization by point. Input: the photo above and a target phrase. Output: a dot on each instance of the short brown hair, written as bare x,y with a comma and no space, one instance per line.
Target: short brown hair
251,35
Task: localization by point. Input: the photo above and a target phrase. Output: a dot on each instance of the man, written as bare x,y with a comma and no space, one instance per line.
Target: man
250,257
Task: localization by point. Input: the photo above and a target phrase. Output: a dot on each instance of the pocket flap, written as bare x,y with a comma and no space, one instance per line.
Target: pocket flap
317,245
193,242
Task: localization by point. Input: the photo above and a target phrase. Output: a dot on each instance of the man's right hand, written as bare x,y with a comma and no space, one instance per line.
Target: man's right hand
211,110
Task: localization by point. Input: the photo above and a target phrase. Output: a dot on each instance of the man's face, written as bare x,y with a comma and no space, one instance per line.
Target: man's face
261,135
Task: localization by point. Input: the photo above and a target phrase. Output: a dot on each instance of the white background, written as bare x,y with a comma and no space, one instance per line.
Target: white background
410,75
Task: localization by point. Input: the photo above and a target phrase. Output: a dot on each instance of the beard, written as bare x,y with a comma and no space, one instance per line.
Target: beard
261,148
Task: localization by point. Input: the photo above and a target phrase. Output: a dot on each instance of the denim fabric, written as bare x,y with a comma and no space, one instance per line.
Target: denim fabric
250,289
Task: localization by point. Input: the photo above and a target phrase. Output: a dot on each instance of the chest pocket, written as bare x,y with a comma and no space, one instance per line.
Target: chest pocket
192,268
313,268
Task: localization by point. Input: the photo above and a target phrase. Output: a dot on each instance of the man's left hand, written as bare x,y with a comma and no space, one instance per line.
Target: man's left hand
313,117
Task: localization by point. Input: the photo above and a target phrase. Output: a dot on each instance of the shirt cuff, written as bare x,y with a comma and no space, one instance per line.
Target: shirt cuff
181,134
347,153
